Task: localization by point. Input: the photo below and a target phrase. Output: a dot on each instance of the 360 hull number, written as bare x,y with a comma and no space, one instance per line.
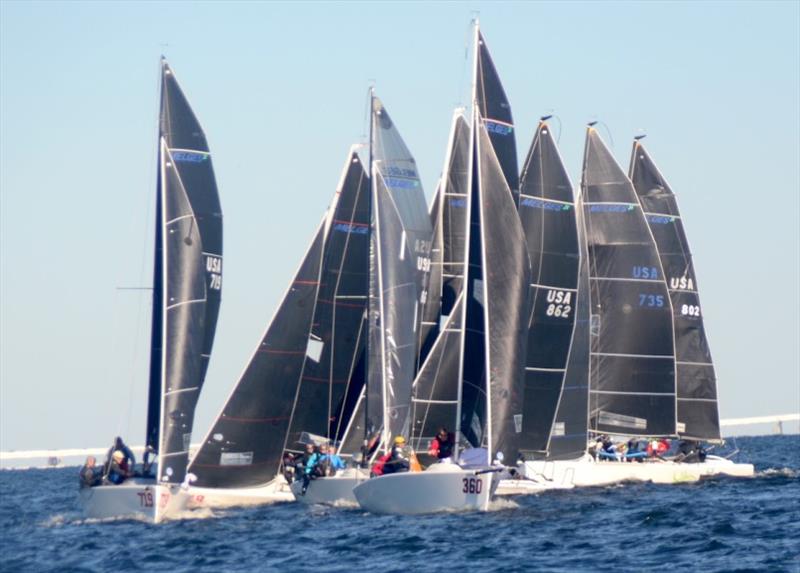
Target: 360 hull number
472,485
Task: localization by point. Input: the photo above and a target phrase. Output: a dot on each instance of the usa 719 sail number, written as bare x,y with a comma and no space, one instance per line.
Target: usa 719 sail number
472,485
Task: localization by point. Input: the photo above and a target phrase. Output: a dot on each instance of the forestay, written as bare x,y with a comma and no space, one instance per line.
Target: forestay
697,408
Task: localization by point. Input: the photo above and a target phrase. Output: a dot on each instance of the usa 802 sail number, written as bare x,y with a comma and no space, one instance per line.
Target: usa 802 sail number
472,485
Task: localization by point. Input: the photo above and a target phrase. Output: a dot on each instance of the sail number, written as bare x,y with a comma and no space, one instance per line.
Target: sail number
472,485
690,310
145,498
214,270
651,300
559,303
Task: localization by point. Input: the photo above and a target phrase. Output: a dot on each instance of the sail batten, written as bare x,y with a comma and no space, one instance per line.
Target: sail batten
632,352
697,408
187,278
549,218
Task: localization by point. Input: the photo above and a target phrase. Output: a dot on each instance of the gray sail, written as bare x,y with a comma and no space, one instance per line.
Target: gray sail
431,306
191,270
335,341
698,411
548,215
244,447
506,301
449,218
632,360
436,388
402,240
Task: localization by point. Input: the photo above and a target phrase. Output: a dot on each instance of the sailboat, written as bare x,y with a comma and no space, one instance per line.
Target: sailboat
399,233
697,407
300,372
549,217
632,367
187,285
481,344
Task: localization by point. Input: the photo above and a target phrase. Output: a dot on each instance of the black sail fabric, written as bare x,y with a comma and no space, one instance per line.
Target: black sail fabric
191,235
495,112
698,411
245,445
548,215
506,276
335,341
436,388
402,239
632,360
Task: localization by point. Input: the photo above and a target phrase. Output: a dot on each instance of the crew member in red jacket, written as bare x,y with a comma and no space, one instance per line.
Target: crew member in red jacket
442,445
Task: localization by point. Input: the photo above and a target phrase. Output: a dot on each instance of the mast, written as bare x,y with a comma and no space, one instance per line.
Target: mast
370,256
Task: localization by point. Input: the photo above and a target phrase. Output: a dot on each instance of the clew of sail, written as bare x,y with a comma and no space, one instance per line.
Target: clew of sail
548,215
697,407
632,360
189,242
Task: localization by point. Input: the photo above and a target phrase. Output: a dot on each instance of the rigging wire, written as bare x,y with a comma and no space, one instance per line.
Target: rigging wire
142,263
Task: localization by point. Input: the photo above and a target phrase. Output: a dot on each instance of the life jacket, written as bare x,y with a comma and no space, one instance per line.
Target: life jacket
377,468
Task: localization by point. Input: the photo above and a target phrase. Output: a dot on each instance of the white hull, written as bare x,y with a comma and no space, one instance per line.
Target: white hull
586,472
334,490
536,484
136,498
440,488
276,491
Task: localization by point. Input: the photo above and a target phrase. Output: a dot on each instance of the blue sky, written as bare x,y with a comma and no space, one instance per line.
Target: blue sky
280,89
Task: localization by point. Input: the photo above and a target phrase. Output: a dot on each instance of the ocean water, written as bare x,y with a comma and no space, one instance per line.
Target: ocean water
723,524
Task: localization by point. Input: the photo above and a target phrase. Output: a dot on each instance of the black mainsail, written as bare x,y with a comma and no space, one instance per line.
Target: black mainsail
400,265
495,111
548,215
632,360
496,306
187,278
697,408
244,447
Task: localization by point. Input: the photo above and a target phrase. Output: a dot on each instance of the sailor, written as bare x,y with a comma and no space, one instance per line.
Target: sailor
119,470
331,462
119,445
147,461
442,445
90,475
690,452
311,466
399,459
